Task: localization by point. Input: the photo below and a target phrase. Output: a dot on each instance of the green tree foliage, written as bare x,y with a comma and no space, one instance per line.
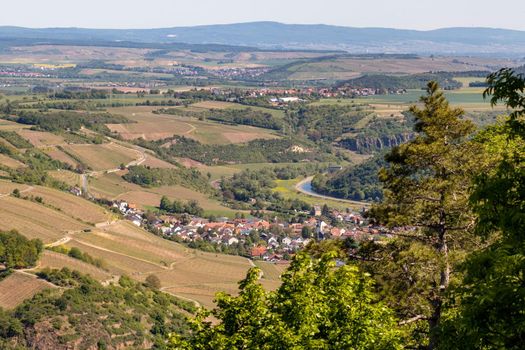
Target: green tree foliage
256,187
325,123
191,207
60,121
492,297
427,187
15,139
84,314
155,177
256,151
318,306
153,282
359,182
17,252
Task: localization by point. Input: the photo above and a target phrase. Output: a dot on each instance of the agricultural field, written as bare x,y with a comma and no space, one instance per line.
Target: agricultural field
35,220
10,162
7,125
103,157
41,138
207,105
18,287
55,260
57,154
76,207
150,126
185,272
154,162
352,67
6,187
271,271
66,176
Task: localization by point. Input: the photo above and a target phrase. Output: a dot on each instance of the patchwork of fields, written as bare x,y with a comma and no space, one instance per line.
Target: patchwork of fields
150,126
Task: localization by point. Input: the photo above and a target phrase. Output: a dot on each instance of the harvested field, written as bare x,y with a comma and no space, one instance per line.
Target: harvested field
153,162
117,263
271,271
104,156
19,287
57,154
6,187
10,162
190,163
74,206
41,138
55,260
34,220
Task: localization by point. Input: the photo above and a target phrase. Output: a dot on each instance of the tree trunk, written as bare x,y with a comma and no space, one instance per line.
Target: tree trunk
444,280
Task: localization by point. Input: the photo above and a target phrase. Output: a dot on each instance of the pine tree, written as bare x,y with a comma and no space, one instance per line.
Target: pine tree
426,190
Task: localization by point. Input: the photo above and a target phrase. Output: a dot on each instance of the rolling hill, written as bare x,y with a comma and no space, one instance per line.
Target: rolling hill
286,36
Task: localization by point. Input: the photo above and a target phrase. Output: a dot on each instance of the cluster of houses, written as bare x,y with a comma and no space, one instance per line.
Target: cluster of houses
238,72
276,240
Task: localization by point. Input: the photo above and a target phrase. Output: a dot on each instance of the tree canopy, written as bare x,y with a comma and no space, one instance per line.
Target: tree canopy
318,306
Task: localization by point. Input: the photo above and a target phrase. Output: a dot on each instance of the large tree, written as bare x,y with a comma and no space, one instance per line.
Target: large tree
426,187
491,299
16,251
318,306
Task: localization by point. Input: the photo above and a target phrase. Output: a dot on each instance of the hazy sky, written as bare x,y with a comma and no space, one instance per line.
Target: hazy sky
413,14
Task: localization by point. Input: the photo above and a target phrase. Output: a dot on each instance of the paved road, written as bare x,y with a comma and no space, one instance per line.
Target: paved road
301,188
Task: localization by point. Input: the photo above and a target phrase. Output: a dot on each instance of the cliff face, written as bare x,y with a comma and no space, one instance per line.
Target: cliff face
367,144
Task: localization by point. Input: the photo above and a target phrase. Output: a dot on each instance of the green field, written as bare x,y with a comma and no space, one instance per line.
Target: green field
287,189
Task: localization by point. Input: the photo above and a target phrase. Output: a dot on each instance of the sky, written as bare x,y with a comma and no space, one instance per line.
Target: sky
407,14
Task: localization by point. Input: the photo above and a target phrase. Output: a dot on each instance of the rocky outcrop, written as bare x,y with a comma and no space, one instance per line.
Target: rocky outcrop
366,144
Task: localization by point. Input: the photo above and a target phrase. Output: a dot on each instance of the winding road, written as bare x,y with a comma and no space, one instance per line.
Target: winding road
304,186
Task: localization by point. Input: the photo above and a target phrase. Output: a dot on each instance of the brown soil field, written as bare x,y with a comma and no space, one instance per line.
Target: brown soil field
10,162
104,156
6,187
41,138
154,162
55,260
152,126
74,206
18,287
57,154
190,163
34,220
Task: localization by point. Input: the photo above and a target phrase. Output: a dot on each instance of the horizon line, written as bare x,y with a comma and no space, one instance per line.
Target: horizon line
258,22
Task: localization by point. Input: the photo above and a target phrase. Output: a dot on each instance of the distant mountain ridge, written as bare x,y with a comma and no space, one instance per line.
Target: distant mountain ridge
297,36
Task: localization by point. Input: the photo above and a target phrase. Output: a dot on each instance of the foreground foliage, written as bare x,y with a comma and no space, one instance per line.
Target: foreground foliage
86,315
318,306
491,299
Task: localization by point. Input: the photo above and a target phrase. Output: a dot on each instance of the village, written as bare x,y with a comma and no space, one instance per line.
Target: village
269,240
